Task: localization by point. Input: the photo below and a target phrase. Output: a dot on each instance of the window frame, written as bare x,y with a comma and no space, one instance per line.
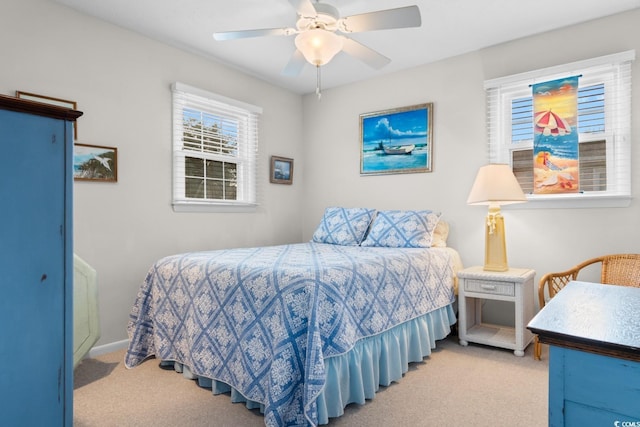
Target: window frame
609,70
185,97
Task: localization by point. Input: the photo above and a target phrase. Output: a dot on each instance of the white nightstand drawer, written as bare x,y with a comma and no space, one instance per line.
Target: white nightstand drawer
490,287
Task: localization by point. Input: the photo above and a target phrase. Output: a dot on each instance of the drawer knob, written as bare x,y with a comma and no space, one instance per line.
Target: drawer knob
488,287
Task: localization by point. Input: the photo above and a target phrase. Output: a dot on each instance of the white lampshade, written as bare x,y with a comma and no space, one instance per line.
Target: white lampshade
495,184
318,46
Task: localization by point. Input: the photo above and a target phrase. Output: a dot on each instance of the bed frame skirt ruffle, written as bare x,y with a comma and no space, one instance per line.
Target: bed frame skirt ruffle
357,375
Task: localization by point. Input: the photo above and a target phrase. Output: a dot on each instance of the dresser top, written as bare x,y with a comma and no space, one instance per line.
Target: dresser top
593,317
37,108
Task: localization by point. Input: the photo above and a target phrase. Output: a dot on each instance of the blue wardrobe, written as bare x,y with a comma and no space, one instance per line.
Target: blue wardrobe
36,263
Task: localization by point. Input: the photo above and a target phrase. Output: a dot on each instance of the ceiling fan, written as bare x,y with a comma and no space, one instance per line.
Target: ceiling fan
320,33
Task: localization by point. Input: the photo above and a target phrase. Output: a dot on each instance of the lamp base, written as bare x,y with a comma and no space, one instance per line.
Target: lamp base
495,251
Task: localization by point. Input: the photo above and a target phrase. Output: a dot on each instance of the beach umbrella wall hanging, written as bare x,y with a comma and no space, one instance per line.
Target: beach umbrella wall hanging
555,139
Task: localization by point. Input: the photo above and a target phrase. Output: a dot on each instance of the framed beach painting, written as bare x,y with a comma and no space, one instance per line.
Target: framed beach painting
397,141
95,163
281,170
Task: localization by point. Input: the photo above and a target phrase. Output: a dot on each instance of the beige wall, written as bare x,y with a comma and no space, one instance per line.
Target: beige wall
121,81
543,239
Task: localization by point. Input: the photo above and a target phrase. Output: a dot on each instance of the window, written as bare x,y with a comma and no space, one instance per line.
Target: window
215,142
604,123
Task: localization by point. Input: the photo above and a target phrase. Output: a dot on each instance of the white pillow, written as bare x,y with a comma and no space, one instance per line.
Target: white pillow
440,234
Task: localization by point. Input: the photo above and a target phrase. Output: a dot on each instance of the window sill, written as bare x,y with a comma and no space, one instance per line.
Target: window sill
571,201
213,207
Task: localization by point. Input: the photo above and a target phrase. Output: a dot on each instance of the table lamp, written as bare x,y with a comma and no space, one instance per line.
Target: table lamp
495,185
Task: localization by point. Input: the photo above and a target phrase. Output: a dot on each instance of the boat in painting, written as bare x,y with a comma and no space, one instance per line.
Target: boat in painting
397,149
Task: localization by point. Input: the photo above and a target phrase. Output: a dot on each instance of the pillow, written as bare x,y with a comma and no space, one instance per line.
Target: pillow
402,229
343,226
440,234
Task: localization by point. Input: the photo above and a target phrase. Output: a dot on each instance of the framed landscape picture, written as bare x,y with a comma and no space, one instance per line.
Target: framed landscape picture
397,141
281,170
95,163
72,105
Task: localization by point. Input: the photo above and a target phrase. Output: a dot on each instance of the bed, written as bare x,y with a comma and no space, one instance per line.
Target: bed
301,330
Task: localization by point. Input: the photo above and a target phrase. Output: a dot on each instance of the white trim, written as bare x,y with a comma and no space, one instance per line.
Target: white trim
214,207
108,348
576,67
565,201
177,86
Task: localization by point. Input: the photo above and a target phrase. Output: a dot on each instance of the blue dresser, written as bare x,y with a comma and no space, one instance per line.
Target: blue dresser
594,357
36,263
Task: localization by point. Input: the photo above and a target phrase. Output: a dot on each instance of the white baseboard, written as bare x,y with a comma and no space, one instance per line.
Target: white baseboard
108,348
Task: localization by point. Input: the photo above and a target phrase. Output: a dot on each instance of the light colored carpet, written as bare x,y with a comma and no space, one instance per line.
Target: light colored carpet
458,386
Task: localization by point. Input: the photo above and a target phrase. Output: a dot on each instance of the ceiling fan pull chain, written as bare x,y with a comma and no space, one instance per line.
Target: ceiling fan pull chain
318,82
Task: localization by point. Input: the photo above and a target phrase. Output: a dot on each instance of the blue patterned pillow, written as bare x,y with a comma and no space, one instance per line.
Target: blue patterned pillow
344,226
402,229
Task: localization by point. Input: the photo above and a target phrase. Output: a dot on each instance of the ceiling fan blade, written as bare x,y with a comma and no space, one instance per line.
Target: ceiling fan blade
243,34
365,54
402,17
304,8
295,65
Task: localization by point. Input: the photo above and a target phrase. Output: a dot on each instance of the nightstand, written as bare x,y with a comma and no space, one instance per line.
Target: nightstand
476,285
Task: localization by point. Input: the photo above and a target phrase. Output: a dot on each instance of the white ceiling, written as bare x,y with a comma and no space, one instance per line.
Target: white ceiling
449,28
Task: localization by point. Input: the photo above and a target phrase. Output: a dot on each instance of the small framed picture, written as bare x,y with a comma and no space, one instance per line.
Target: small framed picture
281,170
95,163
72,105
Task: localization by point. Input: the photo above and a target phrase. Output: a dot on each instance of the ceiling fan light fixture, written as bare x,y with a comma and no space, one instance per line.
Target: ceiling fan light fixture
318,45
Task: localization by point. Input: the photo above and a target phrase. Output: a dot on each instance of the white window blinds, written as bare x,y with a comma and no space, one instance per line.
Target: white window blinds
215,145
604,127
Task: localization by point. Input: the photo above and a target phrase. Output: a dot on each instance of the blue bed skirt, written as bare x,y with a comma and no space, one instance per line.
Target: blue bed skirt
357,375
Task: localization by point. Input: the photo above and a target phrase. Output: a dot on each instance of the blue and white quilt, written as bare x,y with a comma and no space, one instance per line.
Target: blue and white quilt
263,320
